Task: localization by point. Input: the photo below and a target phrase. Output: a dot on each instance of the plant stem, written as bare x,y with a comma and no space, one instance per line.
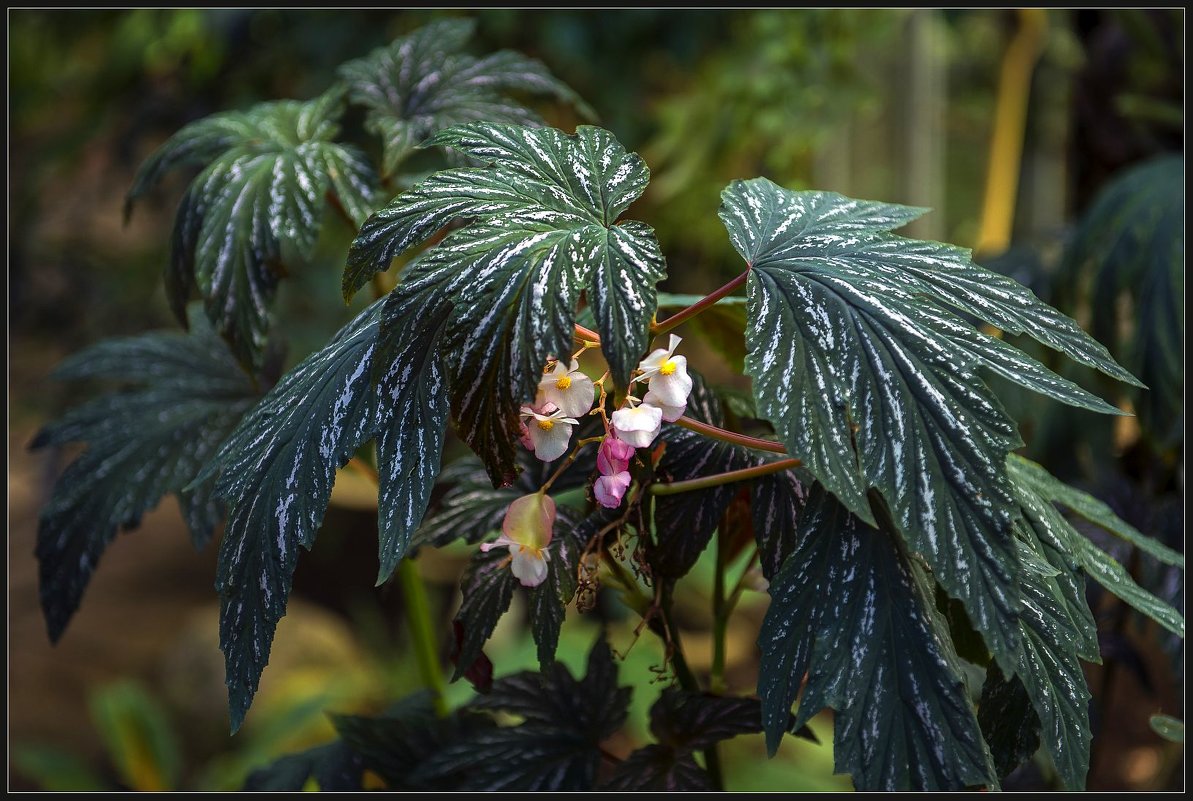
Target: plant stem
584,335
418,615
716,432
704,482
686,679
681,316
716,679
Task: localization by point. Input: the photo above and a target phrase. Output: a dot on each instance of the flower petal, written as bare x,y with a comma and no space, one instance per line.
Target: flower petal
550,443
529,521
670,413
529,566
637,426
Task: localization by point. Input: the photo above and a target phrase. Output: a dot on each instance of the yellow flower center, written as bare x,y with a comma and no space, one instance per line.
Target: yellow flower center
564,382
546,425
667,367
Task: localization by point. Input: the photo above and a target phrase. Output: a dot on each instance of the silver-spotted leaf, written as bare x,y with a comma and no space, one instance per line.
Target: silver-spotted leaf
862,362
1038,490
183,393
423,82
543,229
276,473
259,200
851,612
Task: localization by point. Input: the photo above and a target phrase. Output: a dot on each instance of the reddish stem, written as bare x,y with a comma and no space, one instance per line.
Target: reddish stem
679,317
716,432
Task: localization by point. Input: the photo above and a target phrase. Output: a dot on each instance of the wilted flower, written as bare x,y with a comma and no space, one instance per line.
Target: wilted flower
526,531
569,389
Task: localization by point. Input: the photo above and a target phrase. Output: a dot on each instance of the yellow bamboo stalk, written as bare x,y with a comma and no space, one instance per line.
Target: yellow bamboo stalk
1010,126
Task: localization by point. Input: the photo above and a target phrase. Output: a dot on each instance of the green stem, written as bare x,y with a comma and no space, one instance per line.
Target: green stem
716,679
716,480
718,433
677,319
687,680
418,616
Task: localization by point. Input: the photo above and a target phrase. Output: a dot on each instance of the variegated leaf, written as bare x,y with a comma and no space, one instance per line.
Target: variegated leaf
276,473
853,613
870,376
1037,490
423,82
543,230
183,394
258,203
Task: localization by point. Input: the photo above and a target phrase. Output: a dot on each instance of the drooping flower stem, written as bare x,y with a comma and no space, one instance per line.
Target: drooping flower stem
677,319
716,480
568,461
716,432
418,615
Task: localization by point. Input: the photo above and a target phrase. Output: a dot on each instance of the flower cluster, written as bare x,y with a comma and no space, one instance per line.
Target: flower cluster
565,394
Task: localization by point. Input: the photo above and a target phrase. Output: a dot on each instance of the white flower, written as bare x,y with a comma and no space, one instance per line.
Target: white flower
670,413
667,374
549,433
568,388
527,530
637,425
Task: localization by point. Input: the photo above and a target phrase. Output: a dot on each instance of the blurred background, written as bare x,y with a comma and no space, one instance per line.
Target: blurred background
1049,141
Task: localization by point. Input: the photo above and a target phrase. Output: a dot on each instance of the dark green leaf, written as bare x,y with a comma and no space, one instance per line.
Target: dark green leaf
862,363
594,706
775,506
853,613
335,767
1047,486
1037,489
412,412
487,589
472,508
1009,723
397,745
276,474
659,768
1132,243
422,83
184,394
543,231
685,522
549,600
1050,670
1168,727
258,202
695,721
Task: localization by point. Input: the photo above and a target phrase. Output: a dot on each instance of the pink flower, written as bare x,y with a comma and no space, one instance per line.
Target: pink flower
609,490
614,456
526,530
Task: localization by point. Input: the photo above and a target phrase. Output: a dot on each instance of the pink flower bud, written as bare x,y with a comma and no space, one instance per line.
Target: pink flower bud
614,456
609,490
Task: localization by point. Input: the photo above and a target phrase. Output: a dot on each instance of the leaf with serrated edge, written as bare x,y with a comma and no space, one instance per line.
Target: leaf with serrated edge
276,474
260,193
849,610
1090,508
185,394
543,230
1037,489
870,377
423,82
